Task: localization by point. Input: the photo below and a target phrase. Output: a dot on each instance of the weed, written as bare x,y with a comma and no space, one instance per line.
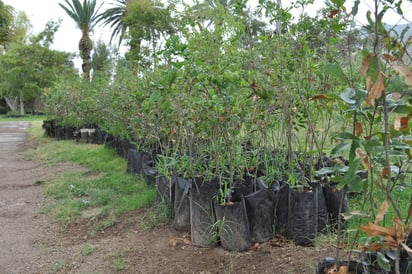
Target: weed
161,214
59,267
87,250
118,262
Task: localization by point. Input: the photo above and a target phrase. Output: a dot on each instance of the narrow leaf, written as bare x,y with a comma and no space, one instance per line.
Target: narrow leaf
358,129
383,261
340,148
320,96
336,71
365,64
375,91
365,158
382,211
377,230
405,72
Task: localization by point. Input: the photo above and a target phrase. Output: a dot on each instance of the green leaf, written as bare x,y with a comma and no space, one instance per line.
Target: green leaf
346,136
349,177
373,146
383,262
325,170
348,96
357,184
336,71
352,154
341,147
355,8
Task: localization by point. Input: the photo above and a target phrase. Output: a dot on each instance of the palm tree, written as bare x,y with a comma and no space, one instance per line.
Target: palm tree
115,18
85,16
139,19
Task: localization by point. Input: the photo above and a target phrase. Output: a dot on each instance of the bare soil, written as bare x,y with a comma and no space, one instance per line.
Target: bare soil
31,242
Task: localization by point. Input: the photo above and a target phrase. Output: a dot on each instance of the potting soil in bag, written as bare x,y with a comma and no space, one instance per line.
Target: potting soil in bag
134,161
323,214
334,197
101,136
246,187
181,219
281,209
260,207
148,171
233,225
202,219
303,217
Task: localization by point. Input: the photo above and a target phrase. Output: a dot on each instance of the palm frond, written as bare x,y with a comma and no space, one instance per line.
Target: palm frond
85,15
114,18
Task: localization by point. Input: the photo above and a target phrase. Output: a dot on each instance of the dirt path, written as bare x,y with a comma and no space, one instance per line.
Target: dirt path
31,243
23,230
19,203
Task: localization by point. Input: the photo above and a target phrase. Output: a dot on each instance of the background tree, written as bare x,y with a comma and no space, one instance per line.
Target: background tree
102,60
138,21
26,70
6,23
85,16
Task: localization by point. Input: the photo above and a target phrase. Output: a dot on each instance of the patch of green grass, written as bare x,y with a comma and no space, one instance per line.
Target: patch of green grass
87,250
59,266
101,193
118,262
26,118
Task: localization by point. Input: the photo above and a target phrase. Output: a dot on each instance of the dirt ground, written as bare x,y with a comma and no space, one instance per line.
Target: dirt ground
30,242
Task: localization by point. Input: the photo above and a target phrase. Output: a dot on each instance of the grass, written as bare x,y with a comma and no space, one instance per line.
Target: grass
87,250
100,193
26,118
118,262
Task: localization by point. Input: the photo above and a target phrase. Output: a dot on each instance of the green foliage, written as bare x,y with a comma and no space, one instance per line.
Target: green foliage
6,20
27,70
102,60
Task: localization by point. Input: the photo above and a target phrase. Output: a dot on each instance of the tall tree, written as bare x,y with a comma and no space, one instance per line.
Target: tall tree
85,16
102,60
27,69
6,23
139,20
208,11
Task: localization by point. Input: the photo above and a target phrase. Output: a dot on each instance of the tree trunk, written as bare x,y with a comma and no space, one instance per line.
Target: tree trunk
11,104
85,47
21,106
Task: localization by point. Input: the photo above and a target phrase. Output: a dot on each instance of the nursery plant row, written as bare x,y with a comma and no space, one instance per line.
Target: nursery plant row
234,215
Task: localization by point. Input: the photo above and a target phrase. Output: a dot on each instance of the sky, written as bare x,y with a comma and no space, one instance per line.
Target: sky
68,36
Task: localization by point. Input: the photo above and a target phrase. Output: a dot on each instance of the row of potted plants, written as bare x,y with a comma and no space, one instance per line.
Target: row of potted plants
236,214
